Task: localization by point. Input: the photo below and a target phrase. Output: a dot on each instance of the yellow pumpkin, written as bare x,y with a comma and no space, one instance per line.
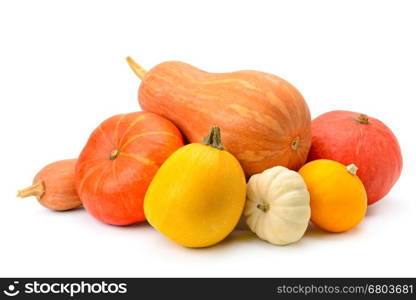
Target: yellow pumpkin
197,196
337,196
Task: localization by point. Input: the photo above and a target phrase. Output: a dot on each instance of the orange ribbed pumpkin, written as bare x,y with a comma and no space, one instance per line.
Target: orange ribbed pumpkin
118,163
264,119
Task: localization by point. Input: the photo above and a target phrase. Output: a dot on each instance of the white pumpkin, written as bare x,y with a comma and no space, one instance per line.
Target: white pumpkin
277,207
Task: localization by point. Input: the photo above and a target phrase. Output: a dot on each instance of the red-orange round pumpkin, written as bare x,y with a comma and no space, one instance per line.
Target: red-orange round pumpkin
349,137
118,163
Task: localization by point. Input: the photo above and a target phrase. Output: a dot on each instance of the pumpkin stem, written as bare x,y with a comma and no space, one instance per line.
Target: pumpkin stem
137,69
362,119
213,139
295,143
263,206
352,169
37,189
114,153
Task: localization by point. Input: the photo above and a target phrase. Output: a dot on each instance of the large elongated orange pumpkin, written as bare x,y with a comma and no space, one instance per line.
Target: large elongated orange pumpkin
264,119
118,163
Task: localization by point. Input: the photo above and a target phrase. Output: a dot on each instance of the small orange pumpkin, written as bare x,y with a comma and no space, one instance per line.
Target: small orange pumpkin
338,197
118,163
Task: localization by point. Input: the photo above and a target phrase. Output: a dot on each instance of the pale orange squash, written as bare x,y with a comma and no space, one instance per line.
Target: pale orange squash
264,119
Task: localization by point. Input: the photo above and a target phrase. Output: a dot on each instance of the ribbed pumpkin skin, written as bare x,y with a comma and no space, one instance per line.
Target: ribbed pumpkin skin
112,190
372,147
264,120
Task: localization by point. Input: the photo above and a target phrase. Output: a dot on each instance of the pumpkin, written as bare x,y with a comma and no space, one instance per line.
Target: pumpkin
349,137
277,207
118,162
54,186
264,119
338,197
197,196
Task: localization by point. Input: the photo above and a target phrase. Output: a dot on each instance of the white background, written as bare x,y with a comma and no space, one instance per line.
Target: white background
62,72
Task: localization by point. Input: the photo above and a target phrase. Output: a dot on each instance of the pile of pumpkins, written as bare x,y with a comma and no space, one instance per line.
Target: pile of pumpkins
209,148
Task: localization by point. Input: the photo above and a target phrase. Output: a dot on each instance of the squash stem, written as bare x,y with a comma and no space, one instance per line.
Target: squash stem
37,189
213,139
362,119
263,206
137,69
352,169
114,154
295,143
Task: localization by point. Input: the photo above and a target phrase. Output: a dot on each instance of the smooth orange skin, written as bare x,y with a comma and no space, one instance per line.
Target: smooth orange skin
59,185
113,190
338,198
260,114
